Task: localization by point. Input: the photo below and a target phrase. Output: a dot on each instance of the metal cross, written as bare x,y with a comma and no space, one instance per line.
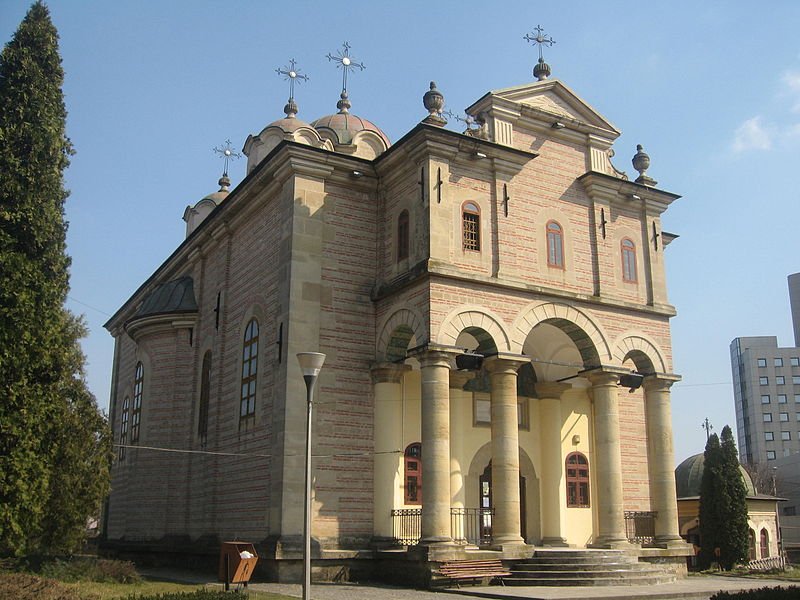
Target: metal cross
227,153
469,121
708,427
291,73
346,62
540,39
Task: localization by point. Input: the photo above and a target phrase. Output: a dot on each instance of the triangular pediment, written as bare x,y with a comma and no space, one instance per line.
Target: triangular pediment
552,97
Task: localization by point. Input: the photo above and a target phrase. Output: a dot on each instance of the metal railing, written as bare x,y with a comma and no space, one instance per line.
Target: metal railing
640,526
467,525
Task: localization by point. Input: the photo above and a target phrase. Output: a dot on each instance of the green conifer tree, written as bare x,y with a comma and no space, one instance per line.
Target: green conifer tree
42,387
710,513
734,543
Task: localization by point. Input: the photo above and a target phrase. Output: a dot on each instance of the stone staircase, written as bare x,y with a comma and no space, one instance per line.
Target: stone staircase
566,567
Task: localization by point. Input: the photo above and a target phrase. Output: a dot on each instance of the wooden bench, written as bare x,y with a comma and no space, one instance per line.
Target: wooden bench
473,569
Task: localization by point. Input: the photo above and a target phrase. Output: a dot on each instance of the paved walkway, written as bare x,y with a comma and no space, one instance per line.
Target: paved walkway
696,587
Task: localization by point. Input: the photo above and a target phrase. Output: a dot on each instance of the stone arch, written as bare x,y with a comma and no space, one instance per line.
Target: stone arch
643,352
396,333
581,329
486,327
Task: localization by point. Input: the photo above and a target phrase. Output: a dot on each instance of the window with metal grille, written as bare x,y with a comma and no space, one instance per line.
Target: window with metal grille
138,390
247,411
413,474
123,428
471,227
628,260
555,245
577,480
402,235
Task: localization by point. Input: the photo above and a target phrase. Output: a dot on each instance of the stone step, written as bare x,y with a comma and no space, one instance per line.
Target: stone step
610,573
561,567
584,560
590,581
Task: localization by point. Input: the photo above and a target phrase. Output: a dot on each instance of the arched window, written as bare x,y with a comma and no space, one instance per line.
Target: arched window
123,428
577,480
205,394
413,474
751,544
136,415
402,236
471,226
764,544
555,245
247,411
628,260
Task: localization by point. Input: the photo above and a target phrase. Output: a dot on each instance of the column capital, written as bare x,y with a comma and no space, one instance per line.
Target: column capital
431,355
458,379
551,389
385,372
660,382
503,362
604,375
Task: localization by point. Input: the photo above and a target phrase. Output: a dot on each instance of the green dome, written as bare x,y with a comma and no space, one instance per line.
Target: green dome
689,474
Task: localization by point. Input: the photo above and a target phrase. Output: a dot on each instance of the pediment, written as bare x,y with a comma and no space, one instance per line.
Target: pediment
552,97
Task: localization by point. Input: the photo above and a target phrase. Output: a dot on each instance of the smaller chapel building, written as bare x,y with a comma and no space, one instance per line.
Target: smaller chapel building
493,308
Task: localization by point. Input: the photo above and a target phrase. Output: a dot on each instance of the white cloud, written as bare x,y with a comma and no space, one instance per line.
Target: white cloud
753,134
791,82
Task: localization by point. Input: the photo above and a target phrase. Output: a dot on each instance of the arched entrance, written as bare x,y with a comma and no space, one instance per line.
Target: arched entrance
485,495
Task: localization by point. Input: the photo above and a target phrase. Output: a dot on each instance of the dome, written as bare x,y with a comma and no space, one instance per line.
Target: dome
288,124
342,127
689,474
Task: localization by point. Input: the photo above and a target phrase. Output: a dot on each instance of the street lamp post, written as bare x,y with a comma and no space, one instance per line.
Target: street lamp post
310,365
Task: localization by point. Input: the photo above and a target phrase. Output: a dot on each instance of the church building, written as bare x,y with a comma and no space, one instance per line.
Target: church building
493,309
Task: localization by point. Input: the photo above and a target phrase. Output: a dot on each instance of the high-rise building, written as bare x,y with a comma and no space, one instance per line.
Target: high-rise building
766,386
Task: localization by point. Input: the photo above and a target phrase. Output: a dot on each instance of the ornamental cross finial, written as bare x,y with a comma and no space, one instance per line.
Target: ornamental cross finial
540,39
291,73
228,154
708,427
344,61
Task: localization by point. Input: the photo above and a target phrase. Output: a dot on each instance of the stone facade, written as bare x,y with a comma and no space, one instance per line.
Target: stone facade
311,247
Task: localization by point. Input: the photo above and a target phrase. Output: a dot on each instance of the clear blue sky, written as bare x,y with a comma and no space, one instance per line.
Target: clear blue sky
711,89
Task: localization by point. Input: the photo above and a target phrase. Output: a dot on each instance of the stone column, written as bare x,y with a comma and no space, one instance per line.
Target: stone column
505,450
388,475
552,465
460,404
435,368
661,458
608,460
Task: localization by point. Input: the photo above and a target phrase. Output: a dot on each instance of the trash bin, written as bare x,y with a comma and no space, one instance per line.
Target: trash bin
236,562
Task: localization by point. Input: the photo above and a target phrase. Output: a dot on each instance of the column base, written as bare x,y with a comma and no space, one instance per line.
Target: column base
555,542
671,541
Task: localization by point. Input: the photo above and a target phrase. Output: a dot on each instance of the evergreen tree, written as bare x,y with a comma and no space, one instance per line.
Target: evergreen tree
723,506
711,520
735,543
44,401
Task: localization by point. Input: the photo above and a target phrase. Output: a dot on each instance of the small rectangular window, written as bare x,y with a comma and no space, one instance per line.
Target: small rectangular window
770,454
769,436
481,412
762,362
797,397
796,379
794,361
786,436
765,399
763,381
777,362
781,398
780,380
767,417
783,417
790,511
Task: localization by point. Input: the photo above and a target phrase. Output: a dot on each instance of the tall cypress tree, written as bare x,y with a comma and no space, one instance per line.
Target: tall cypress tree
723,505
41,366
735,543
711,519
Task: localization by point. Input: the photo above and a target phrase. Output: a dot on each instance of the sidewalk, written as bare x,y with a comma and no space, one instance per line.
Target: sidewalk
698,587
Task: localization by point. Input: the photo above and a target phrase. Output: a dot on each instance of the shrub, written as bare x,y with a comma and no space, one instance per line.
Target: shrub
779,593
198,595
23,586
91,569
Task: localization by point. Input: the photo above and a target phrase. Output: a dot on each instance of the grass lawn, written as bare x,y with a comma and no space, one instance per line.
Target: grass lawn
113,591
790,574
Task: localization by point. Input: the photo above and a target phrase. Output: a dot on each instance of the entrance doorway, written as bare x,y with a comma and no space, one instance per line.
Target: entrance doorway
485,495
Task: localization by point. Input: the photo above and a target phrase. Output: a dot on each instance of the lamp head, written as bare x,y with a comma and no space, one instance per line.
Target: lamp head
310,363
